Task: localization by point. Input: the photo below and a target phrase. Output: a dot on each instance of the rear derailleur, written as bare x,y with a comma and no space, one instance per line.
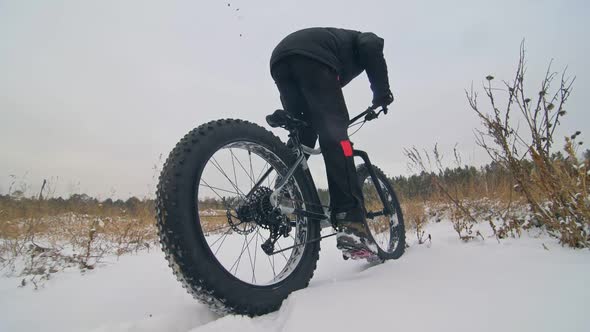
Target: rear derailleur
276,231
257,210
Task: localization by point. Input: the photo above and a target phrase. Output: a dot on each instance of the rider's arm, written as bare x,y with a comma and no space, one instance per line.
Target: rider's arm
370,48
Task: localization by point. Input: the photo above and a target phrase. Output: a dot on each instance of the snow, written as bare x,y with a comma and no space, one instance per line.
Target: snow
516,285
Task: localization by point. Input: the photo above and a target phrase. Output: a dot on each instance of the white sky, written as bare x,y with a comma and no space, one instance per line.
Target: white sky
92,92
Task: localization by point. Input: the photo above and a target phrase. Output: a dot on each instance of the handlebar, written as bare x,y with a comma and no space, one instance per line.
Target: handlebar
369,114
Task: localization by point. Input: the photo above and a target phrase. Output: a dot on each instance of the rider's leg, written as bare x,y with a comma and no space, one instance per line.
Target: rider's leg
319,86
303,81
293,100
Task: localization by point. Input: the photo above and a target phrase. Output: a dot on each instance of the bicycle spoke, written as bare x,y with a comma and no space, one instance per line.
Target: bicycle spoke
255,254
217,229
219,238
269,261
273,266
240,256
251,170
243,168
242,253
268,183
264,168
210,187
260,181
233,166
250,258
221,244
219,168
216,188
240,259
282,253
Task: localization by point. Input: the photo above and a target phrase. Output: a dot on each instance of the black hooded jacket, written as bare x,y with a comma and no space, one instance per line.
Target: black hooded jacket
348,52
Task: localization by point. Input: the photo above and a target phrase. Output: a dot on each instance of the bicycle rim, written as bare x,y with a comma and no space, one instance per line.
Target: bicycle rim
227,178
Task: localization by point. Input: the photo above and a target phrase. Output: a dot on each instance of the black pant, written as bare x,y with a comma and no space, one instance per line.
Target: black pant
311,91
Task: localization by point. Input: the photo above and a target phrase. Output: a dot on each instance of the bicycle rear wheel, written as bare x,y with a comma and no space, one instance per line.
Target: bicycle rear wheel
388,231
212,222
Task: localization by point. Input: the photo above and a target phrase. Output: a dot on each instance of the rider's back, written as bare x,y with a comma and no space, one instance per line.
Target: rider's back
341,49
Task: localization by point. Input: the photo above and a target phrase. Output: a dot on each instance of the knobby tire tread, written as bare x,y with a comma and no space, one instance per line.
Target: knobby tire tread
172,218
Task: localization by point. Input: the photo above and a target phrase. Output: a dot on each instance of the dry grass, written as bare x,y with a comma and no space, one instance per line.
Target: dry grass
41,237
415,218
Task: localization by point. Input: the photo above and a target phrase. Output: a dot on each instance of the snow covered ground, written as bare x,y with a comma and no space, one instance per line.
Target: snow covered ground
516,285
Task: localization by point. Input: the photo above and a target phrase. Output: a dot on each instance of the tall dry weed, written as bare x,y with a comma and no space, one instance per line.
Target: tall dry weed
555,188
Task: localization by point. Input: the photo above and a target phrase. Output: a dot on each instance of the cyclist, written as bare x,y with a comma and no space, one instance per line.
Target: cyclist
310,67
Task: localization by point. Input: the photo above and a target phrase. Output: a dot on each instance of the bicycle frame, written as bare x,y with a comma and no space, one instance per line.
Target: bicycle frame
302,152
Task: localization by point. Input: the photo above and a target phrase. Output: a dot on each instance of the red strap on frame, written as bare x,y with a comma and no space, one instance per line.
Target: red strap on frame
346,147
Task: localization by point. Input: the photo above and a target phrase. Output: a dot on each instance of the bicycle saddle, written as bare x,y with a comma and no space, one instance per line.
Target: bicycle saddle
282,118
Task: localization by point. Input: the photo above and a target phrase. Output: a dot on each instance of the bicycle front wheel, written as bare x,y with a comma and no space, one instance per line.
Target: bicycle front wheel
388,230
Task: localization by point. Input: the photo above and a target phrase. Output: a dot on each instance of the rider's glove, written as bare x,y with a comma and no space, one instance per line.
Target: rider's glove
383,99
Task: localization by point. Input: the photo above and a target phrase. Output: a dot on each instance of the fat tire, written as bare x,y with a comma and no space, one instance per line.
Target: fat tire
182,239
363,174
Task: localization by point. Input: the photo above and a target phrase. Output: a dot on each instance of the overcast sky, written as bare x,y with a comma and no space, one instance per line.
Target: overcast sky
93,92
